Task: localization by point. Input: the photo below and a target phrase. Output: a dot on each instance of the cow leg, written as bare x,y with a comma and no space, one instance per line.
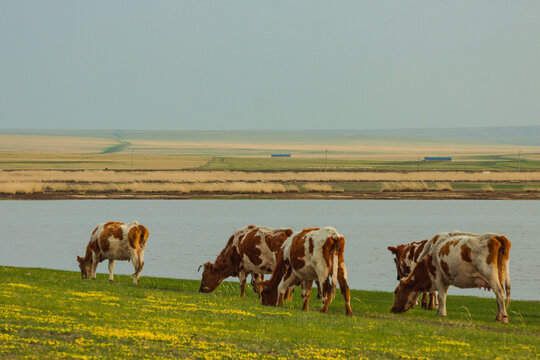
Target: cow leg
94,270
344,287
442,300
137,265
501,309
319,291
327,295
424,301
288,281
432,300
306,293
288,294
111,269
95,262
256,280
242,276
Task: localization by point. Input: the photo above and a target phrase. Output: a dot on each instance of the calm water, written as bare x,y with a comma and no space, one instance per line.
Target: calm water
186,233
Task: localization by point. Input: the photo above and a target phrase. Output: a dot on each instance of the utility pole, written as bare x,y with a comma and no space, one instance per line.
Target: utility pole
326,161
519,160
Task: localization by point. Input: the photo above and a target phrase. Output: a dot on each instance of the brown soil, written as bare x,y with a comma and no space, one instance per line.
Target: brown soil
432,195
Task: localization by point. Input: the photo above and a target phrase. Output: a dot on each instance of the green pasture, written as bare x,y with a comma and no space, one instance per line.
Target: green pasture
55,314
320,164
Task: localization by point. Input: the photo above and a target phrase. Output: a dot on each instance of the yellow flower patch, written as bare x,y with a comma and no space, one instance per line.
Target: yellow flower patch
22,286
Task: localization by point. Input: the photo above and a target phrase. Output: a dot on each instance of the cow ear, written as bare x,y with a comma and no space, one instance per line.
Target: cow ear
205,265
393,250
79,259
288,232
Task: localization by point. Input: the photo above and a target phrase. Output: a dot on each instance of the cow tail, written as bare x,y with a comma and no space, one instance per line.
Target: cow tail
143,236
503,265
339,245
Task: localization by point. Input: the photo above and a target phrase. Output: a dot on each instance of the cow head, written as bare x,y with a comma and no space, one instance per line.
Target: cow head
396,252
85,266
404,297
269,294
403,270
211,278
256,280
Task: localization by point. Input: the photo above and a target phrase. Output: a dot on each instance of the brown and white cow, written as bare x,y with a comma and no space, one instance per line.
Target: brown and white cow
115,241
464,260
406,256
308,255
250,250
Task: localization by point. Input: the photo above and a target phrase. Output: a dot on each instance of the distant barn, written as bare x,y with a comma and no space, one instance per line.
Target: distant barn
280,155
438,158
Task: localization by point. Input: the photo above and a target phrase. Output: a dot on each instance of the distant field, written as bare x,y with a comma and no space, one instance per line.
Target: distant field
503,163
126,161
244,150
117,161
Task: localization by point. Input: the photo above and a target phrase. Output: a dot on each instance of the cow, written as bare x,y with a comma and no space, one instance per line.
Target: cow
465,260
115,241
406,256
250,250
308,255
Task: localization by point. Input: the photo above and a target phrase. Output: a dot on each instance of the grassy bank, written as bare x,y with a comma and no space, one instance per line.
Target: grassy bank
55,314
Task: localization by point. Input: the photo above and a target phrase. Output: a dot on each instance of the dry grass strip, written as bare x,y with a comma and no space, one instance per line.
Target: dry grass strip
239,176
141,187
412,186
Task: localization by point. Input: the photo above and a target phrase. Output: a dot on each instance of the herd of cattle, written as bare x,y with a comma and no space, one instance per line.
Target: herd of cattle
462,259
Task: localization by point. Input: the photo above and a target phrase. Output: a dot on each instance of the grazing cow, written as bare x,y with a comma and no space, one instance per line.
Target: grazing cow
464,260
115,241
406,256
250,250
308,255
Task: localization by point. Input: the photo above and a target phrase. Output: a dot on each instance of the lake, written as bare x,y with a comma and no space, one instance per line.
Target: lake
186,233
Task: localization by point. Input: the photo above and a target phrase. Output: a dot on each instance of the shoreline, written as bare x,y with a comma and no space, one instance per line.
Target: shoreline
347,195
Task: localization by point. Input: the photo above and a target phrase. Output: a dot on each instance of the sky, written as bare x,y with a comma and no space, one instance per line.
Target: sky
279,65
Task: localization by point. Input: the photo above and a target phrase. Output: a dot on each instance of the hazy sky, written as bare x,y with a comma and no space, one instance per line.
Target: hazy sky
268,64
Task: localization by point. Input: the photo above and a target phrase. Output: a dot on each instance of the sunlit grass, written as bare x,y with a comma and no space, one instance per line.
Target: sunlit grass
55,314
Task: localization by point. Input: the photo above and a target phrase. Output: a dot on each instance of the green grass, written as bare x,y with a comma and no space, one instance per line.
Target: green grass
274,164
56,314
116,148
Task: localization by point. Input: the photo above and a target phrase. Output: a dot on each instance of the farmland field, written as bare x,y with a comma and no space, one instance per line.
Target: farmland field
54,314
353,160
251,150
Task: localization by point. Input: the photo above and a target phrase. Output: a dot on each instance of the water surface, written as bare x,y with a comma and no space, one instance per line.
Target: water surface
186,233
